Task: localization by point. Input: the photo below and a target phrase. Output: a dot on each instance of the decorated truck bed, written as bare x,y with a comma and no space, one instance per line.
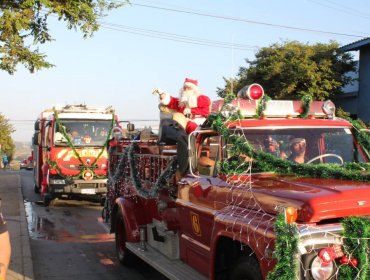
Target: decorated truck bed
231,201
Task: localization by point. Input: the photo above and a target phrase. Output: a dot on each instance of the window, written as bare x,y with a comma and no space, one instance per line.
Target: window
208,154
82,132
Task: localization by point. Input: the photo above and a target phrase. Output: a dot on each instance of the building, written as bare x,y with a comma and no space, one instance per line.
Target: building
356,97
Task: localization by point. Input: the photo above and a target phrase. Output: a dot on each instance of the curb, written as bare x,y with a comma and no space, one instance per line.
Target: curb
21,264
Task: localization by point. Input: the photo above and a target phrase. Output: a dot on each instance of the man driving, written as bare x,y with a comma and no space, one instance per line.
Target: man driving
298,150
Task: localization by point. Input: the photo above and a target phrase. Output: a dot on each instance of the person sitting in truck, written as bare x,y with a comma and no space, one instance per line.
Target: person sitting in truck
298,150
76,138
205,163
271,146
194,105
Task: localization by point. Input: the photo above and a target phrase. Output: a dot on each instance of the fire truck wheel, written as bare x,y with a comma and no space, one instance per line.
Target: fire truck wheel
102,200
123,254
36,188
246,268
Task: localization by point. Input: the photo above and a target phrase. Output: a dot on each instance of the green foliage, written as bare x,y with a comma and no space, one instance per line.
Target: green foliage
6,141
24,25
361,135
286,249
356,245
292,70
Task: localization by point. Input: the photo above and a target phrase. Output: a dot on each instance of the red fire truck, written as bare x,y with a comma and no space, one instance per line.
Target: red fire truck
197,210
69,149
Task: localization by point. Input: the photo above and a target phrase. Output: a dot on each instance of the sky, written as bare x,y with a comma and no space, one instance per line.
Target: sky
151,44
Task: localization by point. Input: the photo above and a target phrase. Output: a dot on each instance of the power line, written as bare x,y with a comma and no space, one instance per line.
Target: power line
199,13
175,37
341,8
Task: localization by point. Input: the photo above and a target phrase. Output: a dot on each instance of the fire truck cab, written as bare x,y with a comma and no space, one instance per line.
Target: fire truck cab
70,153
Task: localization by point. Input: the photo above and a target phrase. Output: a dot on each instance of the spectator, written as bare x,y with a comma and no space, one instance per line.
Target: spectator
5,248
5,160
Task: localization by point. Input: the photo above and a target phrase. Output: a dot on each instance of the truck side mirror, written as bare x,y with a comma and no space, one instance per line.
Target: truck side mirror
130,127
35,138
37,125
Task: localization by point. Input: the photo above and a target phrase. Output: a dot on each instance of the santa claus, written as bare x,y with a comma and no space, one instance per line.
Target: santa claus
191,103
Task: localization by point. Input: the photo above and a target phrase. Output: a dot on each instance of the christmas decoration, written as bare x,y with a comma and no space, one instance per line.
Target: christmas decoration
356,244
286,249
54,164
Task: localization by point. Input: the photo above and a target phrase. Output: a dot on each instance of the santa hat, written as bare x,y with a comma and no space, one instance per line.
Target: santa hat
296,140
193,84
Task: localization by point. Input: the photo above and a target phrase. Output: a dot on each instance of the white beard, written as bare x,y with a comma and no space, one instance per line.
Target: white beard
186,93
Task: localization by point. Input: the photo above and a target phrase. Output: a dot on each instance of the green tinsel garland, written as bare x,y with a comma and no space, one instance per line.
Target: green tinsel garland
362,136
356,244
55,165
261,106
286,249
305,107
162,181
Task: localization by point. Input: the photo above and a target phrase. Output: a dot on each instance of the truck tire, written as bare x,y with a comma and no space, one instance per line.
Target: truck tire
246,268
124,256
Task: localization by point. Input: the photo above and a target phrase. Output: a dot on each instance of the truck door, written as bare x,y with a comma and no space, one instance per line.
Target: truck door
196,201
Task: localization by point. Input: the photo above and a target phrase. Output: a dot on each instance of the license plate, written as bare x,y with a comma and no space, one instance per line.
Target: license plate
88,191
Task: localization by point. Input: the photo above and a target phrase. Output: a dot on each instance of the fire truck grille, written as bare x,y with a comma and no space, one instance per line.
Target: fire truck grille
93,167
87,186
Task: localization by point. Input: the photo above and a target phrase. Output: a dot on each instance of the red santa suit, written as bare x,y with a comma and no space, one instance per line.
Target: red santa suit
194,105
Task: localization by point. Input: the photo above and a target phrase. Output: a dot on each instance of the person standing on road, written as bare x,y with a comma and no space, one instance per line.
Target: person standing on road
5,248
5,160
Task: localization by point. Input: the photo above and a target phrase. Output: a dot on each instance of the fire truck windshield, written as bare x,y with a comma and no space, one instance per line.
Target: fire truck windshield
306,144
81,132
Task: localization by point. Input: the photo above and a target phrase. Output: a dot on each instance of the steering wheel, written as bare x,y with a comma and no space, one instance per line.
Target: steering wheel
326,155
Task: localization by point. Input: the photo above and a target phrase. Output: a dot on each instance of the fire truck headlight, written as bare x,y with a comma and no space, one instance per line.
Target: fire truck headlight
57,182
321,270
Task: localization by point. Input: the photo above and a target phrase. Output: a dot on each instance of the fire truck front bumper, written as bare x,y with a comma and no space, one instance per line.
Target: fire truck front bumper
91,187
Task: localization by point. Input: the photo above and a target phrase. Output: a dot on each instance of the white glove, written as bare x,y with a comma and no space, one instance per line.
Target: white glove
187,111
158,91
184,100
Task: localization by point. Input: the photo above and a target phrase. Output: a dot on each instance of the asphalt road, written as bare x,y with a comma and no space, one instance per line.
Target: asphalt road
69,241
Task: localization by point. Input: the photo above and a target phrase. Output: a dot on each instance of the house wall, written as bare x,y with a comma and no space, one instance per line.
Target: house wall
364,85
356,97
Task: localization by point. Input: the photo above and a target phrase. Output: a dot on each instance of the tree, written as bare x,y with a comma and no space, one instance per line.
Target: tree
6,141
292,69
24,26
